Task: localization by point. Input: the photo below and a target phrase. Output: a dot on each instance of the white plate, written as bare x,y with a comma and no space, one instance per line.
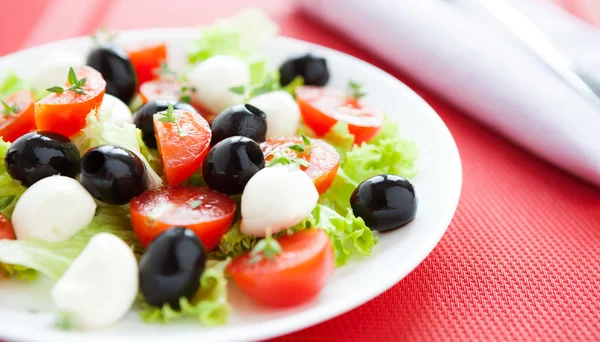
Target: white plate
438,185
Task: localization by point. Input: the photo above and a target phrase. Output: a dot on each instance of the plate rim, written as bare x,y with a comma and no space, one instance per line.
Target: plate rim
338,308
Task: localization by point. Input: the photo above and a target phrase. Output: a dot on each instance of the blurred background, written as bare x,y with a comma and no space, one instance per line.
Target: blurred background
33,22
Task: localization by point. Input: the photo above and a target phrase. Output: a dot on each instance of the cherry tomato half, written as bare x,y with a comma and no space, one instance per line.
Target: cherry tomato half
182,144
207,213
293,277
146,60
6,229
323,158
65,113
22,120
160,90
322,108
171,91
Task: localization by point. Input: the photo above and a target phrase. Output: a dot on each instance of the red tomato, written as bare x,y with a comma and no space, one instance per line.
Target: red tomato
182,145
6,229
65,113
146,60
171,91
208,213
160,90
322,108
294,277
323,158
22,121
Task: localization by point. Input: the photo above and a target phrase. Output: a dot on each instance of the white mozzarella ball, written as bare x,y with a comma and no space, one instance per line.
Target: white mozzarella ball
53,71
101,284
120,113
283,113
53,209
214,78
276,198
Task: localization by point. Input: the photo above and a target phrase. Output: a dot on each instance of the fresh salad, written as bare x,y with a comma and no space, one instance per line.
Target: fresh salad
132,185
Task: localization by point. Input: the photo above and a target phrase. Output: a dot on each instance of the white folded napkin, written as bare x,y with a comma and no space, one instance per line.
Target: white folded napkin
457,49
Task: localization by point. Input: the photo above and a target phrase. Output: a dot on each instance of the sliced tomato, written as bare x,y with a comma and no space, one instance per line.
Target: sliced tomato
146,60
182,145
160,90
171,91
207,213
65,113
6,229
323,158
322,108
22,120
293,277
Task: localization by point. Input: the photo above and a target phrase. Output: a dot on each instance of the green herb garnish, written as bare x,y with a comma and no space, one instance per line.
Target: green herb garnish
267,248
186,94
301,148
165,72
64,322
169,116
195,203
8,110
355,90
269,84
103,36
240,90
76,84
283,160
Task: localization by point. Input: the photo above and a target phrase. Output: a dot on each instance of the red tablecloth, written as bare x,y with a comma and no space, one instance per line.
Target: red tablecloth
521,259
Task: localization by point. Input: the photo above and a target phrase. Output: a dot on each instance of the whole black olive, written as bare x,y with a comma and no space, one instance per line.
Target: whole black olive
116,68
312,68
112,174
143,118
171,267
34,156
385,202
231,163
244,119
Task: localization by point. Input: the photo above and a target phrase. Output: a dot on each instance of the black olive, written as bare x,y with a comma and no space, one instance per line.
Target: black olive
112,174
231,163
34,156
171,267
244,119
385,202
143,118
116,68
312,68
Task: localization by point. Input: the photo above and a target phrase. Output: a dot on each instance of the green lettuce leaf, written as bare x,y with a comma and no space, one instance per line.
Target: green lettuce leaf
241,35
151,155
11,84
234,243
99,130
386,153
10,189
298,81
209,305
349,234
25,257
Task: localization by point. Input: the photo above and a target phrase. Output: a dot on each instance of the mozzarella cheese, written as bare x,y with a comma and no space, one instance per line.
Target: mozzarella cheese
276,198
101,284
283,113
54,70
120,113
53,209
214,77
